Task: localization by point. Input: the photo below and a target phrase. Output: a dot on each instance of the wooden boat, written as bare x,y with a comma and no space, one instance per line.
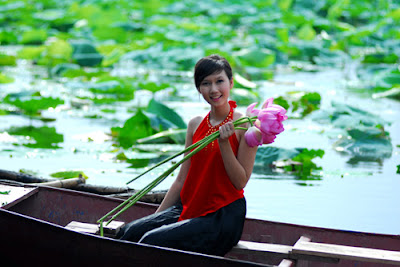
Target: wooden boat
33,232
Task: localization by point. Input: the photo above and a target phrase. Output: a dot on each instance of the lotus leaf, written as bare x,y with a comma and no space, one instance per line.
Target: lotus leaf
136,127
260,58
8,37
165,112
244,97
32,104
41,137
34,37
62,68
5,79
31,52
69,174
85,53
7,60
170,136
365,144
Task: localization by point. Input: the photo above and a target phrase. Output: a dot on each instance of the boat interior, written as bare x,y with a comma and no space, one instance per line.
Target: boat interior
262,241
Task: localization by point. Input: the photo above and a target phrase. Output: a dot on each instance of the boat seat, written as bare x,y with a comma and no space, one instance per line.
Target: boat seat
110,230
261,248
304,249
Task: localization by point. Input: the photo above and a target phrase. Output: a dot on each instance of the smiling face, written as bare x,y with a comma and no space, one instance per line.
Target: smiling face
215,88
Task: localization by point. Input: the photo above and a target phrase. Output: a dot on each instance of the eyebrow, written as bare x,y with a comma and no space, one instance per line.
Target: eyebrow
217,77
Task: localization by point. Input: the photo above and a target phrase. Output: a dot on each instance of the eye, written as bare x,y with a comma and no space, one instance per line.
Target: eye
220,81
205,83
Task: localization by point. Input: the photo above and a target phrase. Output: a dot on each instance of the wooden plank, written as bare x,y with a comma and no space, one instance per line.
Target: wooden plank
346,252
287,263
113,228
304,239
90,228
261,248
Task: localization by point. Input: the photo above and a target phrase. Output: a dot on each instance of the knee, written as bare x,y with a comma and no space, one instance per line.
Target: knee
151,238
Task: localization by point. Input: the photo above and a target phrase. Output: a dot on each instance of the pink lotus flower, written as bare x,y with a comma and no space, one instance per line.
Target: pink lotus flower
268,123
253,137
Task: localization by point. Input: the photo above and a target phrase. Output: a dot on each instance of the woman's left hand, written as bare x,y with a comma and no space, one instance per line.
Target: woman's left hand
226,130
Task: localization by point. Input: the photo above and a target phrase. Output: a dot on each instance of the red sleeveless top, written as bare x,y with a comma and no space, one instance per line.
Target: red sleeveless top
207,187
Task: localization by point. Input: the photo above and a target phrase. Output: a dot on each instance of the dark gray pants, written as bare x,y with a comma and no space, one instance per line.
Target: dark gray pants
215,234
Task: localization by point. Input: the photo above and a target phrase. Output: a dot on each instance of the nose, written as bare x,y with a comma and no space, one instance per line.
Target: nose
214,87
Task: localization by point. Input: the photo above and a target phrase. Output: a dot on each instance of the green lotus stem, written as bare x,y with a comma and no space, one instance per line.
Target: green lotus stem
133,199
101,229
194,148
169,158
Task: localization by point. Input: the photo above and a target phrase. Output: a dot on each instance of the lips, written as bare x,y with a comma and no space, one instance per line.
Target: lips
215,98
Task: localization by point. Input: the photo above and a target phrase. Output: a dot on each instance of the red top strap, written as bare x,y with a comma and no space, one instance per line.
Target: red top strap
207,187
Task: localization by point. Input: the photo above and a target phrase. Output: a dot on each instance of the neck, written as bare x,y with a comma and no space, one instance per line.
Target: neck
218,114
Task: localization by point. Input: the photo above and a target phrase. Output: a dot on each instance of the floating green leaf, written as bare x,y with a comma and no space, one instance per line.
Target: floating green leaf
244,97
7,60
34,36
39,137
5,79
136,127
69,174
306,32
31,52
32,104
260,58
300,103
365,144
153,87
85,53
307,165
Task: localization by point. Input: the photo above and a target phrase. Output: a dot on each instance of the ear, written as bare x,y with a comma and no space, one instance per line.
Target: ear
231,83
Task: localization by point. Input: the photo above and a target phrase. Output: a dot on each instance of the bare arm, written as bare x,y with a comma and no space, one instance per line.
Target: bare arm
238,168
173,193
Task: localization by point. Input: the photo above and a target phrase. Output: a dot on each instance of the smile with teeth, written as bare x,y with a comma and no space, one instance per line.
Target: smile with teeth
215,98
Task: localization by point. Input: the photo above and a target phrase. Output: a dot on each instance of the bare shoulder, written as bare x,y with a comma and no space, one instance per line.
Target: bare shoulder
237,115
194,123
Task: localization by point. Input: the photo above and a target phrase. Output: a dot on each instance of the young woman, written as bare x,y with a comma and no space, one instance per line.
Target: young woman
204,210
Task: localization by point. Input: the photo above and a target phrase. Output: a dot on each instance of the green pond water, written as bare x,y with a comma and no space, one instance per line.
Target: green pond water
346,193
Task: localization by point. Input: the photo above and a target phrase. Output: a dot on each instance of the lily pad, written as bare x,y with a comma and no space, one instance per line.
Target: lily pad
7,60
266,155
32,104
69,174
38,137
85,53
60,69
5,79
346,116
136,127
366,145
260,58
34,36
244,97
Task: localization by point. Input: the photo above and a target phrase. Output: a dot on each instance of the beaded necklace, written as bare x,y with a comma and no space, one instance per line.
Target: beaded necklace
213,129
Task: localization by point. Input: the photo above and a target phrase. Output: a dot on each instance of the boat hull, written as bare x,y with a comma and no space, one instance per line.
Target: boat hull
33,231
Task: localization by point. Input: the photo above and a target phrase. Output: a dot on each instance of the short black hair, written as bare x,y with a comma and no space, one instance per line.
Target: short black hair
210,65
